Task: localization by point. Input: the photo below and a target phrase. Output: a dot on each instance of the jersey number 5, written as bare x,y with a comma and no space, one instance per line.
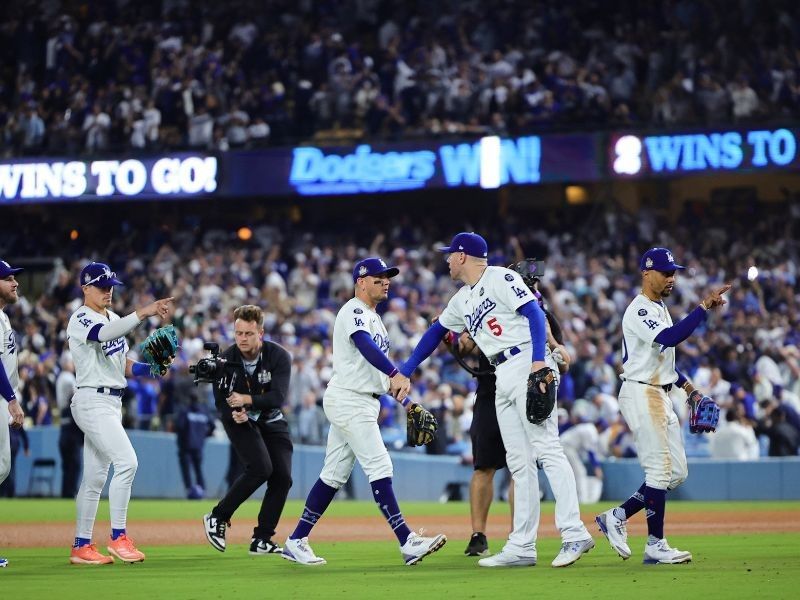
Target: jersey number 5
494,326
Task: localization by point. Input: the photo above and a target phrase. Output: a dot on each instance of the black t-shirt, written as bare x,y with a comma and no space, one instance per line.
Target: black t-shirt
269,383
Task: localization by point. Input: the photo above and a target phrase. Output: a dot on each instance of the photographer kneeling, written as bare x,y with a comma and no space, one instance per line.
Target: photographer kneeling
249,394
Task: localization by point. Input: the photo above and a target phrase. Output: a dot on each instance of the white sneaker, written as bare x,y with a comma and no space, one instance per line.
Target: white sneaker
215,531
616,531
660,553
572,551
418,547
300,552
506,559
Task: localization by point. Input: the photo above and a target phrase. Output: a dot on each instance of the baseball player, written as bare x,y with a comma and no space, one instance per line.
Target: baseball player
505,320
648,361
98,346
488,451
361,373
10,410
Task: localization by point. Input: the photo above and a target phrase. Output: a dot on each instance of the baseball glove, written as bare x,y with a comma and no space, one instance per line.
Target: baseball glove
421,425
159,349
703,413
541,395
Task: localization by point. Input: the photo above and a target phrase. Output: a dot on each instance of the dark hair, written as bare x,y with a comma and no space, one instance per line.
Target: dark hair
250,313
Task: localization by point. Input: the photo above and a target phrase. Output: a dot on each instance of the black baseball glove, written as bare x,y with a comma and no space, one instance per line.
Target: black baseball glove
421,426
541,395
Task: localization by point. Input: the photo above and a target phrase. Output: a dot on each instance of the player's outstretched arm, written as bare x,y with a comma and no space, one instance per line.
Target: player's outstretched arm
425,347
159,308
715,299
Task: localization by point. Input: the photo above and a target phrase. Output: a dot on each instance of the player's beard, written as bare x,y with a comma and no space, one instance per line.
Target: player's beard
9,297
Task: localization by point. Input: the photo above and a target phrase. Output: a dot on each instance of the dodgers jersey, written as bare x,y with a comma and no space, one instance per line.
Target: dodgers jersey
643,359
8,352
97,364
488,311
351,371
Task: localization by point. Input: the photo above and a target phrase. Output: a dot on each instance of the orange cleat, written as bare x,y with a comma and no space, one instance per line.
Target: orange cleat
125,550
88,555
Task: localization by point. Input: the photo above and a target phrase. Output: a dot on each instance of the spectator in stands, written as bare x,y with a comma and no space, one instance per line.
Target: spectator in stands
736,439
784,439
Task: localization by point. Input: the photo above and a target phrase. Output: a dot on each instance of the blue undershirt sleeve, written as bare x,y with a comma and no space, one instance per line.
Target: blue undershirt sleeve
672,336
536,321
140,369
682,379
427,344
5,389
369,350
94,333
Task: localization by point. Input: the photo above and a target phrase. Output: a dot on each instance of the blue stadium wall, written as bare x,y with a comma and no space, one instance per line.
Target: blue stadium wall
416,476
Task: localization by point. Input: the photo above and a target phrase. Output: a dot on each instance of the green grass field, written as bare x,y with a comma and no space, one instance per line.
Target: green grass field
725,566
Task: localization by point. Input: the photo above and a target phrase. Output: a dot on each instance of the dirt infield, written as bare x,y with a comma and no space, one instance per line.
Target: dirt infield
342,529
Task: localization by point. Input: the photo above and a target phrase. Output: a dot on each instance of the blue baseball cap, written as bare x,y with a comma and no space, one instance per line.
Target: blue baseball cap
469,243
99,275
6,269
373,266
658,259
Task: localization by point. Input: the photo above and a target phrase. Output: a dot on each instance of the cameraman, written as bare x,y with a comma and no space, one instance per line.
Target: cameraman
252,417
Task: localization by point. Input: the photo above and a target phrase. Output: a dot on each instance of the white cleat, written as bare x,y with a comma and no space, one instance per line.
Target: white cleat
660,553
572,551
300,552
616,531
418,547
506,559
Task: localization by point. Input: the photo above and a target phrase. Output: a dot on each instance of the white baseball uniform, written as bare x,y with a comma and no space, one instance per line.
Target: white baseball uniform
350,400
578,441
97,410
649,368
8,358
488,311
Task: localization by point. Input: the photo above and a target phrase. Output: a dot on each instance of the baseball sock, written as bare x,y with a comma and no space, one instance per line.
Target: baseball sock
79,541
383,494
632,505
115,533
655,501
318,500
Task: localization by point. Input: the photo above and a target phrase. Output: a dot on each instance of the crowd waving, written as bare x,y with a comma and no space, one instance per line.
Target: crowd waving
95,77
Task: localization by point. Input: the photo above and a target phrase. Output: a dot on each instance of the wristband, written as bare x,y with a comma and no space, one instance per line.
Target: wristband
140,369
406,401
393,373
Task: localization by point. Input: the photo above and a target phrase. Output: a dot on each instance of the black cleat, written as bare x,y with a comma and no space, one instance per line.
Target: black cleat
478,546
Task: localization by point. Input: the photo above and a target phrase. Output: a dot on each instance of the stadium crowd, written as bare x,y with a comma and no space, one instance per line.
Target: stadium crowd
94,77
748,358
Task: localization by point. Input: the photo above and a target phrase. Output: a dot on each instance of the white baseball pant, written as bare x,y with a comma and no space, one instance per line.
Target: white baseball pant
5,440
105,443
656,432
354,434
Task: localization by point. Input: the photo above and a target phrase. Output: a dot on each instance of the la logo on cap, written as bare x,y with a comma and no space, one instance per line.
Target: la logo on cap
669,257
383,264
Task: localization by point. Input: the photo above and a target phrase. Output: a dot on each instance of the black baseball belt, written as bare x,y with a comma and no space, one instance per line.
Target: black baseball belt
666,388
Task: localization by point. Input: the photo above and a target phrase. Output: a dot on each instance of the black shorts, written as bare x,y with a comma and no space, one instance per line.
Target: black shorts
488,451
